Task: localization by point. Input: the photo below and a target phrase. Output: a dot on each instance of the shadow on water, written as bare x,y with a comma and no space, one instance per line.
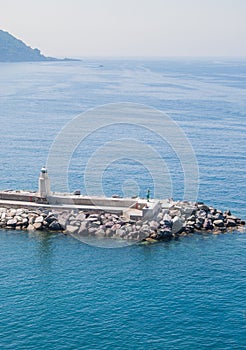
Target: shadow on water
113,243
44,247
103,242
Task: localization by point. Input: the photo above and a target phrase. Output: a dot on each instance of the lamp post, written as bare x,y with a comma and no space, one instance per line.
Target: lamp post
148,195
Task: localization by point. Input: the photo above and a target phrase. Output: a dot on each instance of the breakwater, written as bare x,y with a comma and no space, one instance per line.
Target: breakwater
178,219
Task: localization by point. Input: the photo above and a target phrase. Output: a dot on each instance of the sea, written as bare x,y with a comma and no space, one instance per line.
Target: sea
58,292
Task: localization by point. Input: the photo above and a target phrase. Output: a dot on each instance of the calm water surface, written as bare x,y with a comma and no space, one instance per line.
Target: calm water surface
58,293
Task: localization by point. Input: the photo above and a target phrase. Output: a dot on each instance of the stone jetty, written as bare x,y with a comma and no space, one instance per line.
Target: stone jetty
172,220
146,220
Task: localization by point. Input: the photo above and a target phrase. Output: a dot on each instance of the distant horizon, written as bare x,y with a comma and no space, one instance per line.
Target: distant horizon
157,57
129,28
129,57
116,56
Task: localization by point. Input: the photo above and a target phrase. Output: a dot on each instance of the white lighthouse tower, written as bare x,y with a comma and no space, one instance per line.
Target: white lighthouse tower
44,183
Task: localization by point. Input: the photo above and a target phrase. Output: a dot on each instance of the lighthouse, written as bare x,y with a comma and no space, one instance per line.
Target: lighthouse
44,183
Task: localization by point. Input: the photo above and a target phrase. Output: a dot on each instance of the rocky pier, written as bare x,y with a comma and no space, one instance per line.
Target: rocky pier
178,219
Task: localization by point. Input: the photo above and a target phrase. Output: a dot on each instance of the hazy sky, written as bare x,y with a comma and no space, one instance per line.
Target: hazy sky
128,27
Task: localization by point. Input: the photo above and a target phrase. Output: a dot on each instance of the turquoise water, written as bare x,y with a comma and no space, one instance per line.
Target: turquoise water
59,293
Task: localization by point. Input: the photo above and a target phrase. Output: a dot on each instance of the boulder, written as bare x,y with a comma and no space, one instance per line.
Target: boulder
63,220
45,223
143,235
100,233
135,235
81,216
71,218
45,212
191,218
92,231
198,226
109,233
174,212
188,211
202,214
18,218
12,222
219,223
39,219
115,216
212,210
91,219
74,223
208,225
203,207
177,225
189,229
120,233
3,215
153,225
168,223
54,226
218,216
190,223
34,212
200,220
167,217
139,223
153,235
83,229
20,211
231,223
31,219
159,217
145,228
72,229
232,217
12,212
164,234
94,216
109,224
116,227
50,218
38,225
96,223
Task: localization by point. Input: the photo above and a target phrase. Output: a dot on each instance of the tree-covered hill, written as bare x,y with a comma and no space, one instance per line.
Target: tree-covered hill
15,50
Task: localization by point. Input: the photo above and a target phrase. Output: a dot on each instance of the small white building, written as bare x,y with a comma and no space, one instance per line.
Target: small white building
44,183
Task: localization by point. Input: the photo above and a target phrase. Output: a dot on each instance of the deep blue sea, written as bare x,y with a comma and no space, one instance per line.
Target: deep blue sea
59,293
